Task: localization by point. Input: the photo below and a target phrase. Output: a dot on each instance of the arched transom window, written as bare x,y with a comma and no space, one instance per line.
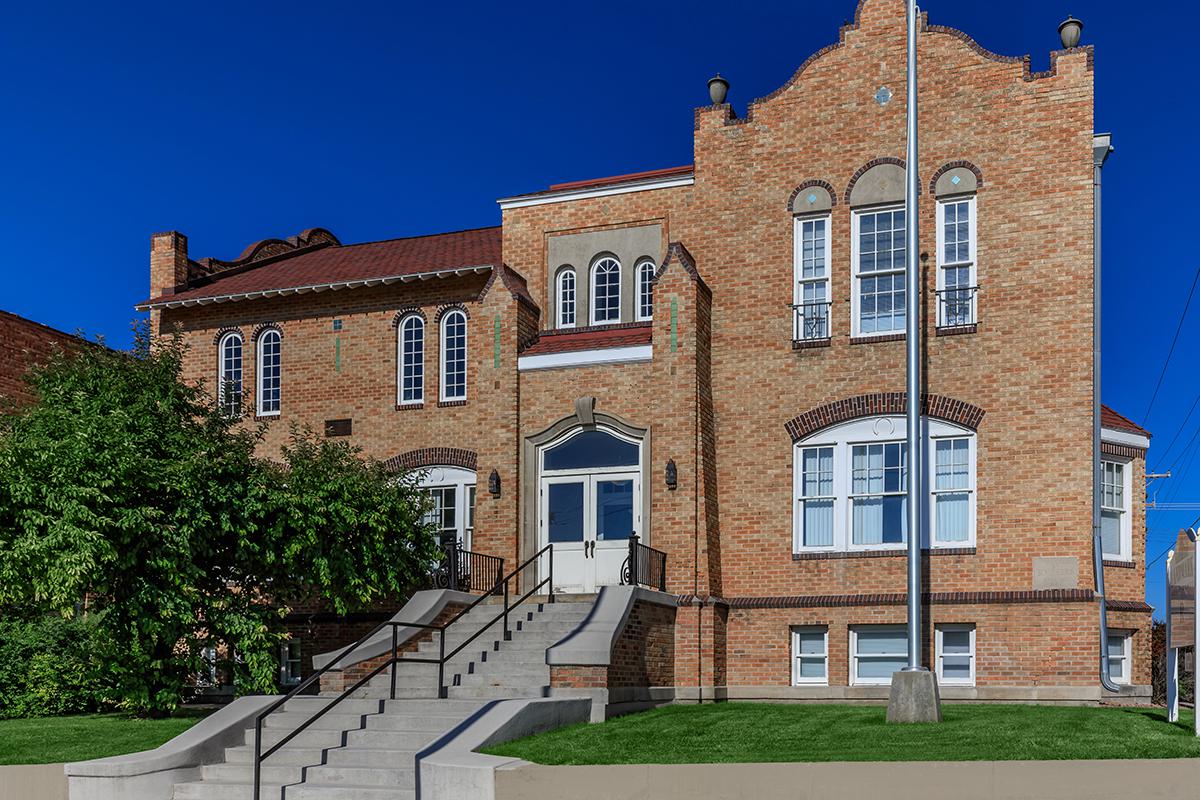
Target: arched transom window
269,373
410,378
645,290
454,356
606,291
851,482
229,373
566,298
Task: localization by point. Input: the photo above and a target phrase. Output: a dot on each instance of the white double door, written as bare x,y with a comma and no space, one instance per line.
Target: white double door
589,519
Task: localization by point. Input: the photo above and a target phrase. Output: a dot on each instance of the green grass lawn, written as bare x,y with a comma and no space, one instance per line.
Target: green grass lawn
48,740
757,732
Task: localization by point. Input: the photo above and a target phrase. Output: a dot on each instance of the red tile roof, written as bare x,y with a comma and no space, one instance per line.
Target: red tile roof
348,263
669,172
1111,419
598,338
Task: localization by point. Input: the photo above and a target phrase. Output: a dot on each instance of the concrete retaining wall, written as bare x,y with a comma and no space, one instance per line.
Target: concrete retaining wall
932,780
33,782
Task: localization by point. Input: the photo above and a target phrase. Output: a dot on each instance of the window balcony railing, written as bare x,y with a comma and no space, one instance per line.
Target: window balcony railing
811,322
956,307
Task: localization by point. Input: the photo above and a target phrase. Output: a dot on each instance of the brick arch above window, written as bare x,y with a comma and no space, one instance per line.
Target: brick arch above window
263,328
867,167
937,406
410,311
818,205
445,309
223,332
433,457
953,165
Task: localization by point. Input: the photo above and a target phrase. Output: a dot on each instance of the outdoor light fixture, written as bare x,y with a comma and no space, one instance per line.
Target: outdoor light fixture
718,87
494,484
672,475
1069,31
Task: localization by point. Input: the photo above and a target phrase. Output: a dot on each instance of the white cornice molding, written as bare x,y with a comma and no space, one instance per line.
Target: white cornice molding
1126,438
582,358
585,193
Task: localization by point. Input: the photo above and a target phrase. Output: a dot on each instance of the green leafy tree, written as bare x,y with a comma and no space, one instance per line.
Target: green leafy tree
125,491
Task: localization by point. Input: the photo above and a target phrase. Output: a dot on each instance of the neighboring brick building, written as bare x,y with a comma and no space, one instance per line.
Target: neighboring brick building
712,357
24,343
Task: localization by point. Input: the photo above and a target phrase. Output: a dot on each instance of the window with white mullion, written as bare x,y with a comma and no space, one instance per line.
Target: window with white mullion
811,267
566,298
810,655
877,651
606,291
952,491
955,646
412,361
645,291
1115,523
230,370
269,373
878,480
956,273
879,259
1118,656
454,356
817,498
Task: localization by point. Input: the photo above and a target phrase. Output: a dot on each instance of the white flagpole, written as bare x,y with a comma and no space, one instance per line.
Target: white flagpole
916,506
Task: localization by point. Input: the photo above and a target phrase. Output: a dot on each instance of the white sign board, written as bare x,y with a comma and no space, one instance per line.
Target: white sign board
1181,614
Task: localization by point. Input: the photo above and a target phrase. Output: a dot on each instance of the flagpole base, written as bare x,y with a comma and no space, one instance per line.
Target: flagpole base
914,697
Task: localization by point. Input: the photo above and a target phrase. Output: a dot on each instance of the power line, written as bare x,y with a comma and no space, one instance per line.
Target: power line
1170,546
1182,425
1171,352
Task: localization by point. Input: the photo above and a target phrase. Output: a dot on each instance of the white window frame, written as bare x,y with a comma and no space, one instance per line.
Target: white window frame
798,279
645,290
223,369
417,366
593,295
462,481
260,373
797,631
943,265
857,276
285,660
443,326
1126,657
559,279
954,628
1125,465
934,492
854,657
872,430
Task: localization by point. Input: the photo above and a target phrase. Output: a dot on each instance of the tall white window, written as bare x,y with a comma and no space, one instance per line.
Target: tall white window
955,645
876,652
810,655
566,298
1119,656
879,264
606,291
1115,523
851,483
956,284
645,290
811,265
269,372
229,369
454,356
411,346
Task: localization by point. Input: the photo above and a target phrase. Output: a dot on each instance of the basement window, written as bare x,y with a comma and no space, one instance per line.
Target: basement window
810,656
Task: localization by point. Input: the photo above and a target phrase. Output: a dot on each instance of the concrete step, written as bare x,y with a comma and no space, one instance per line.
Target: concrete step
333,721
391,740
372,758
287,756
497,692
317,791
311,704
408,722
244,773
391,777
382,692
306,738
506,678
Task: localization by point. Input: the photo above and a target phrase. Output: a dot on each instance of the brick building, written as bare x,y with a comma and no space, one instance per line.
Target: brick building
24,343
712,357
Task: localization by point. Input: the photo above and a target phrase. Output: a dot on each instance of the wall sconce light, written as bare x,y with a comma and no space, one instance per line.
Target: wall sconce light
672,475
494,484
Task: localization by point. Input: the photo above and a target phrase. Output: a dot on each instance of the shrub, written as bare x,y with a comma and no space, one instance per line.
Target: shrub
50,666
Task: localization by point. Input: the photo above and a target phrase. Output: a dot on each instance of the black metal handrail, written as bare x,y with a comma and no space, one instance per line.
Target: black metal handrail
394,660
644,566
468,571
812,321
956,306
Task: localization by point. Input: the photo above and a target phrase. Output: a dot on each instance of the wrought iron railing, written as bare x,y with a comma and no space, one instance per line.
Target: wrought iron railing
644,566
395,659
811,322
956,306
468,571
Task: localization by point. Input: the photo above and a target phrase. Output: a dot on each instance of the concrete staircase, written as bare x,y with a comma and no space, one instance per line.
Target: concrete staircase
365,748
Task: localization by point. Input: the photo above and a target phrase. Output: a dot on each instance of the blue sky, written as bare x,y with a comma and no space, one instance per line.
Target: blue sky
232,122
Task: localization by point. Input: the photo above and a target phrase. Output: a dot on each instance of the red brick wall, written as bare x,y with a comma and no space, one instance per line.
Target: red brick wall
24,343
642,656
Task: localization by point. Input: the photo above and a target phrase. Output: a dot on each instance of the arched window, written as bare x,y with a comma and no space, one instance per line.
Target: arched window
851,482
454,356
645,290
566,298
269,372
410,375
606,291
229,374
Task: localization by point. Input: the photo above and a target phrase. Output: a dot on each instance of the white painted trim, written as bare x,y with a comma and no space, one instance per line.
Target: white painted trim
579,358
972,264
1126,553
796,631
938,631
856,276
259,371
558,297
798,281
854,680
316,287
443,397
400,330
1126,438
593,272
585,193
642,266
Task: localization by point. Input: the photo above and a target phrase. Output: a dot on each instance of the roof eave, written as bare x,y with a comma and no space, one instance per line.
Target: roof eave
583,193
